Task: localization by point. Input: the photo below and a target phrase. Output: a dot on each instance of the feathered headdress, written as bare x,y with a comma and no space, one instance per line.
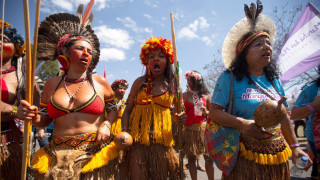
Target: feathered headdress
56,28
153,44
14,37
119,83
254,23
194,74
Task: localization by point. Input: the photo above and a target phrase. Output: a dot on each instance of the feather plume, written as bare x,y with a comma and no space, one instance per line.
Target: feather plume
259,8
79,12
253,12
87,12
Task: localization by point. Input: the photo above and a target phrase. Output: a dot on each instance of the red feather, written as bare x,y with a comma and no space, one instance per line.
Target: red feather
87,12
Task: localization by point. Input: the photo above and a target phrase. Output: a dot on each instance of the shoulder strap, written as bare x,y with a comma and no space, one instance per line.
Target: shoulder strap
231,105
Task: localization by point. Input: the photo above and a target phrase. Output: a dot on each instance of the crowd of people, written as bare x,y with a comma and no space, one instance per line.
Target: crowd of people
85,113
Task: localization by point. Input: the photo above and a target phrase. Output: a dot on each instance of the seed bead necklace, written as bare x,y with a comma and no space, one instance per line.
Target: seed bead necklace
71,96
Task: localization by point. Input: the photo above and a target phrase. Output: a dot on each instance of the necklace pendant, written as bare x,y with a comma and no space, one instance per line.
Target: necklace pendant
72,98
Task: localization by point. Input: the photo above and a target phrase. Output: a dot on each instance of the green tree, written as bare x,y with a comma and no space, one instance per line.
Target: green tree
47,70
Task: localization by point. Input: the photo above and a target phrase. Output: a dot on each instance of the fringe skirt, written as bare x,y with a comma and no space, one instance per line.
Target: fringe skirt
11,152
76,157
156,161
193,140
266,158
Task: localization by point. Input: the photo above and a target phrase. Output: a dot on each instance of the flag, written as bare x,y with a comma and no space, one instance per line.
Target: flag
301,49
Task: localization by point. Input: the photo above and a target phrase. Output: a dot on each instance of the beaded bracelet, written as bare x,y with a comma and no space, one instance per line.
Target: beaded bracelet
294,145
14,111
310,107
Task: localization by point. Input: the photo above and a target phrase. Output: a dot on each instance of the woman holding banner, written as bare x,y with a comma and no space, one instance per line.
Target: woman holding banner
75,102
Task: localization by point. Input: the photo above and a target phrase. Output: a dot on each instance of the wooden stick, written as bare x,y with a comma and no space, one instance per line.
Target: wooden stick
35,45
178,96
27,123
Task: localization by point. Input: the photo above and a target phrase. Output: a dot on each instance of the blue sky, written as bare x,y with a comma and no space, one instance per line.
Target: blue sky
123,25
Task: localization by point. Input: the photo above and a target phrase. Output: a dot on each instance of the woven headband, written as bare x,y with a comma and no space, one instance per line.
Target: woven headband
245,42
68,38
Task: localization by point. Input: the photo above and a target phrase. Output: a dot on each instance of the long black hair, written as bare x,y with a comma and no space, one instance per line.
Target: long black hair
240,66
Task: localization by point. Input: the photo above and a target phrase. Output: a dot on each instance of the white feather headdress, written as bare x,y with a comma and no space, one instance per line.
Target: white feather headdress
253,22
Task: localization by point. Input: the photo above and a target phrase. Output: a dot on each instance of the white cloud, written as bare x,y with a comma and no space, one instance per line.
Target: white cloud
130,23
191,31
110,76
203,23
50,6
107,54
113,37
147,16
187,33
206,40
152,3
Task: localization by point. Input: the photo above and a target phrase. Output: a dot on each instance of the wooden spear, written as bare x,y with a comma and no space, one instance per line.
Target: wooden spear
30,68
178,95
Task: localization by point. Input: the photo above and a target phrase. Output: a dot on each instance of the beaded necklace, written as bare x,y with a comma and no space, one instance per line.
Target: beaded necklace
71,96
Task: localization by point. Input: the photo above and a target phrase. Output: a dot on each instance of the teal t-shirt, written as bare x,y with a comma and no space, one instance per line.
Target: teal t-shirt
247,96
307,96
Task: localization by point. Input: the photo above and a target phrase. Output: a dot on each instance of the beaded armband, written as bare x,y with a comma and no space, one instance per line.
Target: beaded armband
43,109
14,111
111,105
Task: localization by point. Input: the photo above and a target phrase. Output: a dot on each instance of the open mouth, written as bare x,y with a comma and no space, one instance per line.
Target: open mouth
267,54
84,60
156,67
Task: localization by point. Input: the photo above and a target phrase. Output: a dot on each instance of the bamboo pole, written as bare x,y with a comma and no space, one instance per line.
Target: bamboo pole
178,96
29,85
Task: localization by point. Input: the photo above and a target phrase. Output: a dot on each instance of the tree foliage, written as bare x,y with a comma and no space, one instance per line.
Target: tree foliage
47,70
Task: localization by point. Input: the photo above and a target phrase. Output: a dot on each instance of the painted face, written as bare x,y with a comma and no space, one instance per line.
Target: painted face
259,53
120,92
80,54
8,48
157,62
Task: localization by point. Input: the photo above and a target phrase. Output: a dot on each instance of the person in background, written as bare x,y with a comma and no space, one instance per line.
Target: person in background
196,101
307,106
12,91
119,88
147,115
247,52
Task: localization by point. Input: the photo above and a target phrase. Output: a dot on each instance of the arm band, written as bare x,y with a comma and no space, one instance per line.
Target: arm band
110,105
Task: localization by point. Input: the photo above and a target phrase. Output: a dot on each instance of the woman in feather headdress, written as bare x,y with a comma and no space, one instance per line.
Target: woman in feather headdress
75,102
12,91
247,53
147,115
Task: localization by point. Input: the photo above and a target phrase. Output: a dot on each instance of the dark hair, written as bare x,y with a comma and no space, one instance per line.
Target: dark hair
239,66
201,86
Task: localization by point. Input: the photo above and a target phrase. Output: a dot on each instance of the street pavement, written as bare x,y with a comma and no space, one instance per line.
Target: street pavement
217,172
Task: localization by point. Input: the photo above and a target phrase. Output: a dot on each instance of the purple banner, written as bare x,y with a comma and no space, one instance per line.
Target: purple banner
301,49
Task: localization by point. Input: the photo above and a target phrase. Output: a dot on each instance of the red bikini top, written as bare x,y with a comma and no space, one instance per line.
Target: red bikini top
191,117
95,105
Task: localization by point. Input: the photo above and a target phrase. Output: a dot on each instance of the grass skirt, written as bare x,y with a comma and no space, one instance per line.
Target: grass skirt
193,140
77,157
11,153
246,169
156,162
